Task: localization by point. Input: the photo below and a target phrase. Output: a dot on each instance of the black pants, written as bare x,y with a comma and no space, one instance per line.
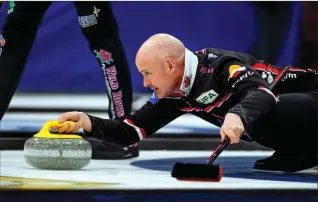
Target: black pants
100,28
291,127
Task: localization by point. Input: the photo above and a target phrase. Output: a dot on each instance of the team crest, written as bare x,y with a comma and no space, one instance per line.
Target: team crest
186,81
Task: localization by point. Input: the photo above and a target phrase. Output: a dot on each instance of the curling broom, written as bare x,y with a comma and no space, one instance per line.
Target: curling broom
209,171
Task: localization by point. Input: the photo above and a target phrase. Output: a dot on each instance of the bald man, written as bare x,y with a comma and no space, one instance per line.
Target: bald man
226,88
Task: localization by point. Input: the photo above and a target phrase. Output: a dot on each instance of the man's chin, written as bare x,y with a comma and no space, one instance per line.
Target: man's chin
160,95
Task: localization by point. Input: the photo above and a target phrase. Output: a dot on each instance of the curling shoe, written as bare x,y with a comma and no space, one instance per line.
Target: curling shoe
285,163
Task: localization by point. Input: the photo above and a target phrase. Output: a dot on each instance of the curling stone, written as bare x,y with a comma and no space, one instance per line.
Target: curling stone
57,151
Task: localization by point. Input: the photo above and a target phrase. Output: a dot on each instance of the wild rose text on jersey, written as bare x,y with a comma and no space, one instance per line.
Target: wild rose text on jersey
117,96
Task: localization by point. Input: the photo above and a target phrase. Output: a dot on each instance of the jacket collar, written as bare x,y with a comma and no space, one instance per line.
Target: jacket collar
190,68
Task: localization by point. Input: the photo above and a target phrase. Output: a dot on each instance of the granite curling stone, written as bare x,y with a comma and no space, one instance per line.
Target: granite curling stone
57,151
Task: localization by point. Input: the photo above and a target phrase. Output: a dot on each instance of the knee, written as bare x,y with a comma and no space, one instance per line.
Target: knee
96,37
16,42
17,33
108,42
99,31
13,39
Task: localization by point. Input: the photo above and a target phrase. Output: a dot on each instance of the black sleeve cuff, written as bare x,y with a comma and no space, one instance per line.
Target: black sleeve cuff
97,123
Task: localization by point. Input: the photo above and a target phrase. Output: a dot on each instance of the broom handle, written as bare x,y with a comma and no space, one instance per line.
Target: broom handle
226,141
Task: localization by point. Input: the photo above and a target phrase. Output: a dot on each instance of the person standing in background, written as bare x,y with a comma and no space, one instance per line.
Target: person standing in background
273,21
309,36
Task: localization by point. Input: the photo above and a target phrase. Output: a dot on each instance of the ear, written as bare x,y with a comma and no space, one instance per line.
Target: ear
170,64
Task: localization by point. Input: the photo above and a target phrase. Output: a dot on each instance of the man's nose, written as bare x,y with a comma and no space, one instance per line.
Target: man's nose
146,83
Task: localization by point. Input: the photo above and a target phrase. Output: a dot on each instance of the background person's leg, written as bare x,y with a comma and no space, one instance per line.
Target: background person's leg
100,28
19,32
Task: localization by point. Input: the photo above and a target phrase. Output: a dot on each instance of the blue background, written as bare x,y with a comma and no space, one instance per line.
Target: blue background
61,61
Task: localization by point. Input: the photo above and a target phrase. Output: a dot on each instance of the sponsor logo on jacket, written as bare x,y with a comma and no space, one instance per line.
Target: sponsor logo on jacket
289,76
207,97
242,77
235,71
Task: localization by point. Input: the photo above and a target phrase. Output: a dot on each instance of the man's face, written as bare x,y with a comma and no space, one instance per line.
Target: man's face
159,77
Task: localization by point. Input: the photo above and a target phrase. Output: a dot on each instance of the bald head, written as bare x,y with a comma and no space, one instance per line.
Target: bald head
160,47
160,60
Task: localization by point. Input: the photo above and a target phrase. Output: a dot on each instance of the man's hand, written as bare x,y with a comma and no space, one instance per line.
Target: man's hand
232,128
80,119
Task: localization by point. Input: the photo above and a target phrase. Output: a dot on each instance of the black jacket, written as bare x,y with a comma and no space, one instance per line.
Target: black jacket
215,82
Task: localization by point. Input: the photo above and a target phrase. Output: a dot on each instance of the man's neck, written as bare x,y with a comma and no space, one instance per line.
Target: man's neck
179,79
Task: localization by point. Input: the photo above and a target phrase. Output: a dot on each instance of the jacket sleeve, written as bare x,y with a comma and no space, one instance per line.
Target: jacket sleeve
255,99
147,120
297,80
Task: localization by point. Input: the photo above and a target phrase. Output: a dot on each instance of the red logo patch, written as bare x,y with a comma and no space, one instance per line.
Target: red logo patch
186,81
